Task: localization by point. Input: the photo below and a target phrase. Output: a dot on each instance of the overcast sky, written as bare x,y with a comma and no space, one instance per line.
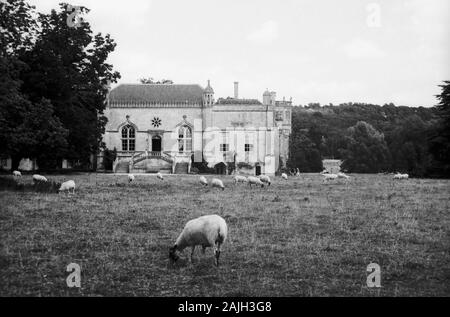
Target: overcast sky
315,51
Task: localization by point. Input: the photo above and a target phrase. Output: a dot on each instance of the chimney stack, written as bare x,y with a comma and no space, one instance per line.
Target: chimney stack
236,90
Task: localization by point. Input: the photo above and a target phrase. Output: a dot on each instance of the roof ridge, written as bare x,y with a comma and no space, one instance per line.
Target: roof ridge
141,84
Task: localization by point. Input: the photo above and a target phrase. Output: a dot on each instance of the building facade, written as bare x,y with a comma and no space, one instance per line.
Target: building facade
167,127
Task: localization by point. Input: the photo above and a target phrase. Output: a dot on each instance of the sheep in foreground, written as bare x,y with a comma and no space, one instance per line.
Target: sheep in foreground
130,178
206,231
328,177
159,176
203,181
284,176
255,181
39,178
342,175
67,186
17,173
265,179
217,183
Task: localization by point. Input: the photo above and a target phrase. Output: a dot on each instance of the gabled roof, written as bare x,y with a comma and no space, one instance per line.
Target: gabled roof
156,93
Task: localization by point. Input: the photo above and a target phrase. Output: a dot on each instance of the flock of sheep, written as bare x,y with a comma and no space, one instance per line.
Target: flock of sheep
65,186
210,230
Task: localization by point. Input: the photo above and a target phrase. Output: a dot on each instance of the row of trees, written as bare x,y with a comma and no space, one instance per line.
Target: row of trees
372,138
53,82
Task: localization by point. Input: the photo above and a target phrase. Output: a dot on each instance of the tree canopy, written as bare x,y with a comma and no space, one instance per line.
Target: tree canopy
53,85
372,138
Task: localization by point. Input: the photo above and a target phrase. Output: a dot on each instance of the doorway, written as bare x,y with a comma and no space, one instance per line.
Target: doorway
220,168
258,170
156,143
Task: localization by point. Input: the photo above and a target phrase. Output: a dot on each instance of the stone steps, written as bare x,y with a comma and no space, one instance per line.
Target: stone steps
181,168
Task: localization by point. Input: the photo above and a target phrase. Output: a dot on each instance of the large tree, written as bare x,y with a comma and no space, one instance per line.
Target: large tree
68,66
27,129
440,137
303,154
366,150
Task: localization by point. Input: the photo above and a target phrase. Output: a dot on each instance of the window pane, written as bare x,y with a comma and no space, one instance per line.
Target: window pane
278,116
288,115
188,145
131,145
131,132
180,145
124,132
125,145
188,132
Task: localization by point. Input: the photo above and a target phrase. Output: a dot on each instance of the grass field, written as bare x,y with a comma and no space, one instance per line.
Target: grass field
298,237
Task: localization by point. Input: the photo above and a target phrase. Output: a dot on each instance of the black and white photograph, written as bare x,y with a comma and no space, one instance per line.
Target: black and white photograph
237,150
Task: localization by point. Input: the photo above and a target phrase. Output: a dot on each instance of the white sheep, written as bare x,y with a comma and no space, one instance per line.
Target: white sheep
131,178
17,173
284,176
297,172
328,177
254,180
217,183
240,179
67,186
205,231
159,176
401,176
39,178
265,179
342,175
203,181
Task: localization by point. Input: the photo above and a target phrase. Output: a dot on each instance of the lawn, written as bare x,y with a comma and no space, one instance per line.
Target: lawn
299,237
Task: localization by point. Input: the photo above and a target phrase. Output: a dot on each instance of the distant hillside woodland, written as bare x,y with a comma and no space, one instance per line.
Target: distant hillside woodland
372,138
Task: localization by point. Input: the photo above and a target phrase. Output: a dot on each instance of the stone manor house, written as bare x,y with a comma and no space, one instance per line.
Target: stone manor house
167,127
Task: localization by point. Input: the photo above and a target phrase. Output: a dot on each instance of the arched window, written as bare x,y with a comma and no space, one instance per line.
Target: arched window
184,139
128,138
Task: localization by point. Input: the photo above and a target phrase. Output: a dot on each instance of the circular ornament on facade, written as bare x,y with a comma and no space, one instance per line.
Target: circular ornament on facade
156,122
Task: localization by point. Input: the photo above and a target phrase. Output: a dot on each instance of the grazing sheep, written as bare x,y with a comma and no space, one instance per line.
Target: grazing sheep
17,173
240,179
217,183
67,186
254,180
342,175
39,178
401,176
328,177
130,178
207,231
159,175
203,181
265,179
284,176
